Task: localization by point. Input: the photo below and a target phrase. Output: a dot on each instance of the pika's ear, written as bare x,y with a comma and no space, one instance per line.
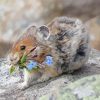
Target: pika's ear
31,30
43,32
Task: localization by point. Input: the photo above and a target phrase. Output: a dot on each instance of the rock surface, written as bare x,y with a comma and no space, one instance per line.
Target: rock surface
9,90
87,88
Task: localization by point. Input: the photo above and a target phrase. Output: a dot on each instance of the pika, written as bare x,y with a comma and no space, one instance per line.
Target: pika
65,39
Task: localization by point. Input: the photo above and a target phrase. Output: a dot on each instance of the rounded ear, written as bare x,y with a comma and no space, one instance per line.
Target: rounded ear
31,30
44,32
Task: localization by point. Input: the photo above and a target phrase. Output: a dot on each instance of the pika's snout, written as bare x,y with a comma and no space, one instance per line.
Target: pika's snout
13,58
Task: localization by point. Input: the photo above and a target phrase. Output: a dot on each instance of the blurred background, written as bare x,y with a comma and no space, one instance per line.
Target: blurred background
16,15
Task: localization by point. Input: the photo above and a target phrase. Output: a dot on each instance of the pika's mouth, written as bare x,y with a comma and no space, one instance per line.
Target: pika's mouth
31,57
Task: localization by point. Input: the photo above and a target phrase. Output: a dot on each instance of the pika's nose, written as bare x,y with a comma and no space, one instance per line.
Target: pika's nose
13,59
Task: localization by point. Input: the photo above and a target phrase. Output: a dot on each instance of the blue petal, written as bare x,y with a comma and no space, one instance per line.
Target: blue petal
32,65
48,60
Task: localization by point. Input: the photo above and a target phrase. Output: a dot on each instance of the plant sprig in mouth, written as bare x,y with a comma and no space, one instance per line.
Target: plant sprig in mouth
32,65
21,64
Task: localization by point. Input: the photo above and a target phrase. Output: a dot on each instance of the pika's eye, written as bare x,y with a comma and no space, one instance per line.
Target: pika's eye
22,47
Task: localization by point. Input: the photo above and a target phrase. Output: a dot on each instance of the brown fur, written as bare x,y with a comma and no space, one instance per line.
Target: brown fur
65,39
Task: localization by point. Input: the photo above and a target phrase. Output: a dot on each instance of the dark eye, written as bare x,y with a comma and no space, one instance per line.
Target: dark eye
22,47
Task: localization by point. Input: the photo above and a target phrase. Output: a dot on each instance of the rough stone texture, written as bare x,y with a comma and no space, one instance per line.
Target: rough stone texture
87,88
9,90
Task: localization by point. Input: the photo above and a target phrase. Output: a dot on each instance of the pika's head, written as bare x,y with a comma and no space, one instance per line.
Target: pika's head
32,43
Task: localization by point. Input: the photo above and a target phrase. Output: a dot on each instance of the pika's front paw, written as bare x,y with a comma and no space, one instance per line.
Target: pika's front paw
23,86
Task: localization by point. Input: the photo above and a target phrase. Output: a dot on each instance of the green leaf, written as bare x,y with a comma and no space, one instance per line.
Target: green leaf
12,69
22,66
23,59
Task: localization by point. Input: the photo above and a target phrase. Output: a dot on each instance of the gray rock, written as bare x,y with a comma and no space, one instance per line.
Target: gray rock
87,88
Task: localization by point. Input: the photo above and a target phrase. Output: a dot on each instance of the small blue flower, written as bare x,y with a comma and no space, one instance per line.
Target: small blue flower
31,65
48,60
